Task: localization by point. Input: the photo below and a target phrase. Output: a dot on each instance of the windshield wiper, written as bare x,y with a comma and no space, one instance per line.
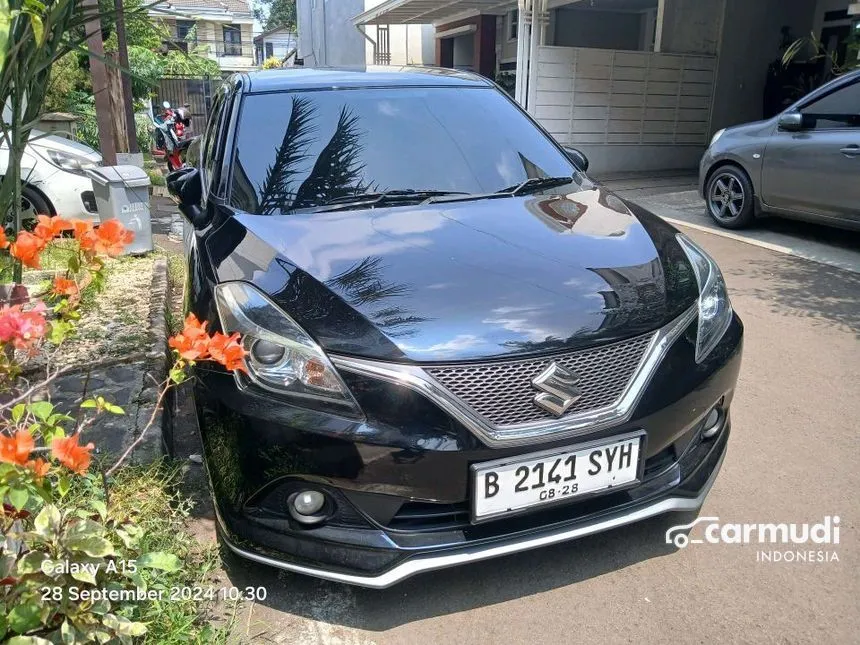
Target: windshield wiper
535,183
532,183
382,198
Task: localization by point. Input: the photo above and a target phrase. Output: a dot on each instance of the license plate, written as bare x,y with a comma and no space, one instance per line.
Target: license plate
509,485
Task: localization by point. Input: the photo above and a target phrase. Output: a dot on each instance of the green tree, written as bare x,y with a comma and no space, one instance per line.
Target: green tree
276,13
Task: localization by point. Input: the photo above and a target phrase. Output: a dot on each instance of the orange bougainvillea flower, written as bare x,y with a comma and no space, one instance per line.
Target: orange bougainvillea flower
50,227
39,466
3,241
17,449
65,287
27,248
84,234
192,342
71,454
112,237
228,351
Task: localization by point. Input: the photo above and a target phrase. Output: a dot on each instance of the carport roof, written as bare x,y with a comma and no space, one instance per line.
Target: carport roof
402,12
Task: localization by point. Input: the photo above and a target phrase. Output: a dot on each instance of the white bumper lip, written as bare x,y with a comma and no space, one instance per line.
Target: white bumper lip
432,562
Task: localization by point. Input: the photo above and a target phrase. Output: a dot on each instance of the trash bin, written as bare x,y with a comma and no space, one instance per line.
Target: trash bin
122,192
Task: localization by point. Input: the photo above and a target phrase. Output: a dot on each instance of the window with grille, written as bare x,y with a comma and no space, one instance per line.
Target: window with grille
270,50
232,40
383,45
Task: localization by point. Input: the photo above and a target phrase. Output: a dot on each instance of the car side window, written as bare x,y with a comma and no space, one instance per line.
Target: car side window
839,109
210,138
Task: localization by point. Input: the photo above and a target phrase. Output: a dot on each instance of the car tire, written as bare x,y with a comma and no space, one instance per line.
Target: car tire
32,204
729,197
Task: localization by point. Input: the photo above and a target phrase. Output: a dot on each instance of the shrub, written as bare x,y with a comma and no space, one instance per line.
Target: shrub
76,564
272,63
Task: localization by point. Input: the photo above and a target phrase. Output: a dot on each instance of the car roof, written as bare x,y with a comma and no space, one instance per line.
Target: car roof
310,78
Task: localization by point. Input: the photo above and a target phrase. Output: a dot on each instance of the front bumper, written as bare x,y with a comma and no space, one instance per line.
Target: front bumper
408,455
677,500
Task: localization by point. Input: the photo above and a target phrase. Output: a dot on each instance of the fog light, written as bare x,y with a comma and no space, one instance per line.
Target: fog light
712,424
309,502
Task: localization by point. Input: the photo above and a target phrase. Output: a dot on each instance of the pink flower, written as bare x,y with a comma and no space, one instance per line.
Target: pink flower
22,328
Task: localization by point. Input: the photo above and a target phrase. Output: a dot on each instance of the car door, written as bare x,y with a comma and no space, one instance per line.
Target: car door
815,171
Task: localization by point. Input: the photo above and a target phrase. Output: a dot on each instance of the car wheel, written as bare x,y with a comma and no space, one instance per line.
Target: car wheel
729,197
32,204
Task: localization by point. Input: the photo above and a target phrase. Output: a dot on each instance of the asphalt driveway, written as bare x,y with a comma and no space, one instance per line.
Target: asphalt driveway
792,458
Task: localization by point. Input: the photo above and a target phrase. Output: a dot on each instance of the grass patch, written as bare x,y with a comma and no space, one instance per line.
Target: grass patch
175,289
150,497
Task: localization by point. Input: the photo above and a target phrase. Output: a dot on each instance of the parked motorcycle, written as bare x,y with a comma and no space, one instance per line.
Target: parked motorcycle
172,134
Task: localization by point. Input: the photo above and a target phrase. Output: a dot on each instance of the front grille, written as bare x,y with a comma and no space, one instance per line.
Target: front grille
502,392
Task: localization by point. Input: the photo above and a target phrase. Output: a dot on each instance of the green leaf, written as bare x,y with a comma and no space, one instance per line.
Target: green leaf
98,547
18,497
123,626
160,560
89,403
67,632
113,409
18,412
63,486
38,28
84,576
100,606
31,563
29,640
41,409
99,507
24,617
47,522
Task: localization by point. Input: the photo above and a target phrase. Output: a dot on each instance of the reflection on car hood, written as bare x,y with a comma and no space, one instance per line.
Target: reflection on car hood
464,280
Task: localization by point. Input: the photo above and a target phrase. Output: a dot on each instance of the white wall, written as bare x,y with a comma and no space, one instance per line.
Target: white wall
409,44
626,110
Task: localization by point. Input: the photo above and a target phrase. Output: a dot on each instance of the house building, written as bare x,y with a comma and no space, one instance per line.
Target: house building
327,36
277,43
219,29
635,84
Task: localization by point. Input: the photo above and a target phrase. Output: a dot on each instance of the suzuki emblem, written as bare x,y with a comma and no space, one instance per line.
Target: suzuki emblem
558,389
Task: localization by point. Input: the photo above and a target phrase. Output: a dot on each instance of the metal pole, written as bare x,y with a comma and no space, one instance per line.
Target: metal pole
122,50
100,82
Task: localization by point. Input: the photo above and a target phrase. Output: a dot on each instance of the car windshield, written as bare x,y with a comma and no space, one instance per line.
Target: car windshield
305,150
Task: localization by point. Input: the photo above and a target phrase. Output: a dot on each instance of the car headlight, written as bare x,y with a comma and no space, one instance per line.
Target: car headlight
281,357
67,161
715,309
716,136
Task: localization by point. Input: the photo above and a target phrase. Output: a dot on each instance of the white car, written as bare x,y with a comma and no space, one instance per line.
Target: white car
53,177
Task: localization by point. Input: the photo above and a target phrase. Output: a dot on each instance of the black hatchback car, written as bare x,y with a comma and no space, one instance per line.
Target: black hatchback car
459,347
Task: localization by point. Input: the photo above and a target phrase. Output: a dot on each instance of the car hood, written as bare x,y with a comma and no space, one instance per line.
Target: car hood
53,142
464,280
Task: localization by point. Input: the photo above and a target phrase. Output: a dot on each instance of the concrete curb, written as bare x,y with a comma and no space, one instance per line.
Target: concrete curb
152,446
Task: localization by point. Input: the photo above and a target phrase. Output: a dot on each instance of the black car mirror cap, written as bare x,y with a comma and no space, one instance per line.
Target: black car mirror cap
790,121
186,188
578,158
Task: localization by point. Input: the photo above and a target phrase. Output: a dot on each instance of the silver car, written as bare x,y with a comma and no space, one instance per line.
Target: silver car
803,163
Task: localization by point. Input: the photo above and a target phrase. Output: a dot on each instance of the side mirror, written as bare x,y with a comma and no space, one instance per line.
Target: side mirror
186,188
578,158
790,121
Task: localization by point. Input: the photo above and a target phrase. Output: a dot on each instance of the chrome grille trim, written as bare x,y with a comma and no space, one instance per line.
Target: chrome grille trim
417,378
502,392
